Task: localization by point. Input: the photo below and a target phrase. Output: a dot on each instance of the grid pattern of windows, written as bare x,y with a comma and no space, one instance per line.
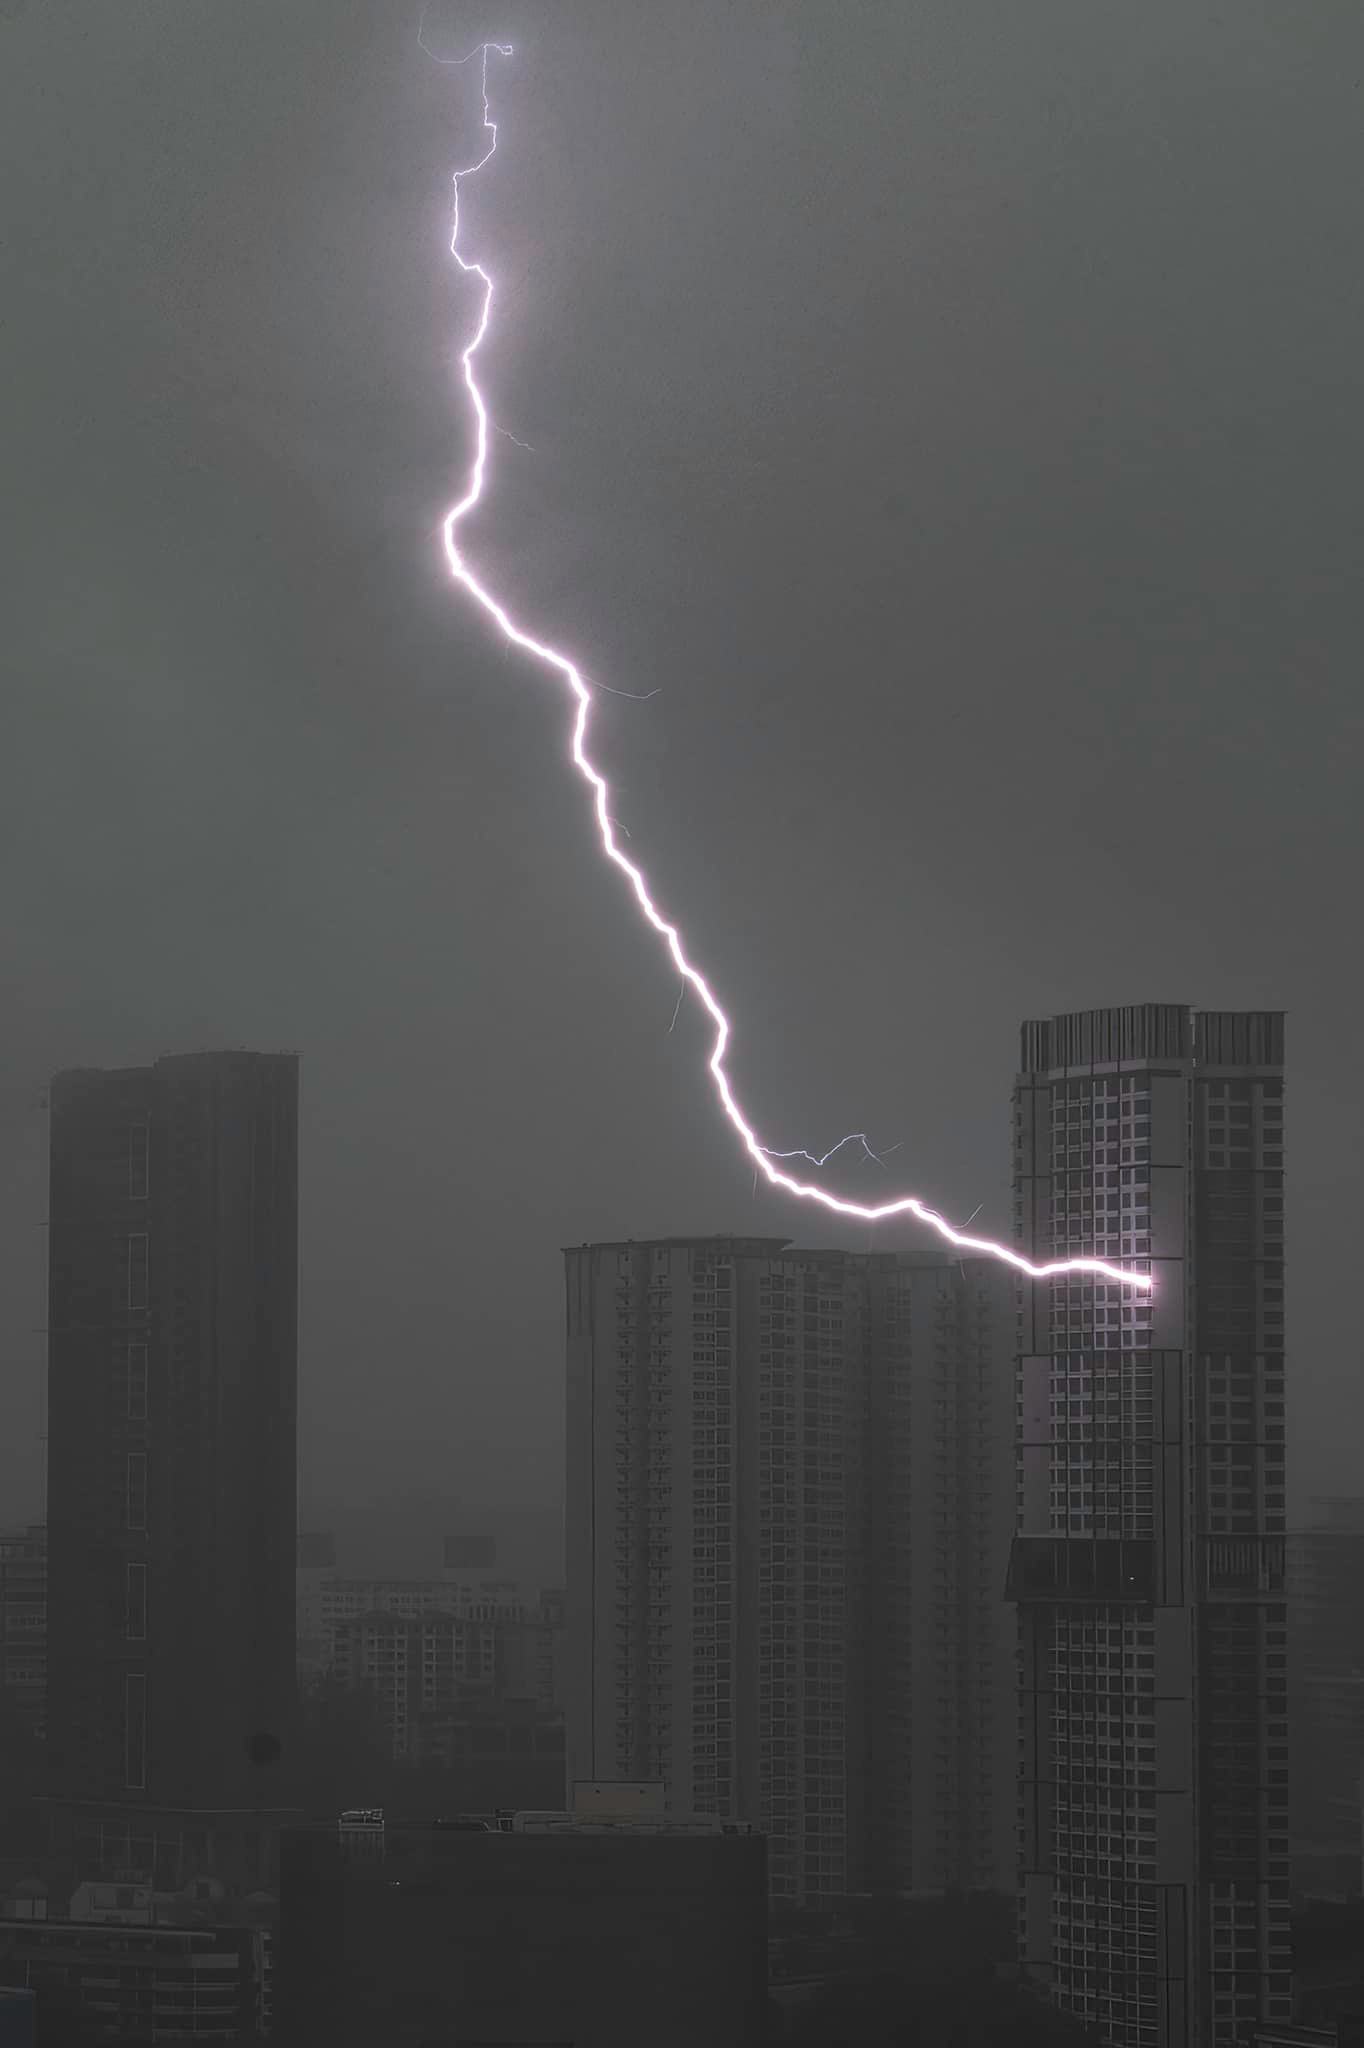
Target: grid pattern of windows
1099,1158
415,1665
1102,1446
1102,1671
1107,1956
807,1328
800,1511
711,1652
1159,1420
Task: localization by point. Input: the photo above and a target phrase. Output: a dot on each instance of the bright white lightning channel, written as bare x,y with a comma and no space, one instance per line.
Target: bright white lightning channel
764,1159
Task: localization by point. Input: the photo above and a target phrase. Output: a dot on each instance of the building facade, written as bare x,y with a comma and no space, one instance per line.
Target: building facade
1326,1694
1149,1563
23,1625
463,1630
574,1932
788,1514
115,1977
334,1601
315,1569
413,1666
498,1753
172,1394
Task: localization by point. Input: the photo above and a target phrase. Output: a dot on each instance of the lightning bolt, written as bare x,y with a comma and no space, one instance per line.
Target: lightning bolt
853,1138
766,1162
508,435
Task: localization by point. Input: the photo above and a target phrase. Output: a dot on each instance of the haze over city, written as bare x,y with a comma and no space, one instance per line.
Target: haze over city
934,433
953,418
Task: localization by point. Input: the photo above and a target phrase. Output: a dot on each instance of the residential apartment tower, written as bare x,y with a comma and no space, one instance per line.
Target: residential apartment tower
1149,1563
788,1514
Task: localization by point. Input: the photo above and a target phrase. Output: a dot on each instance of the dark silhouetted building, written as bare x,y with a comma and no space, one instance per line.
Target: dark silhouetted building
588,1933
1149,1564
172,1396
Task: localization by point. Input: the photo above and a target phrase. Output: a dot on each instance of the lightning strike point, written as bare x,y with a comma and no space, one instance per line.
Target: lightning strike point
765,1162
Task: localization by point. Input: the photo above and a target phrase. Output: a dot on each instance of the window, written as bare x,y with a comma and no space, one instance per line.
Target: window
137,1489
137,1382
135,1731
137,1270
135,1603
138,1157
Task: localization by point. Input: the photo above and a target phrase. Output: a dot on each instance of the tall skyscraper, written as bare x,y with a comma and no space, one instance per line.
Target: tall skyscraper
1149,1563
172,1394
788,1516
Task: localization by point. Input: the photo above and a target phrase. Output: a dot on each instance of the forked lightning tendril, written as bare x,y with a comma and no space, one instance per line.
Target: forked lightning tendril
765,1160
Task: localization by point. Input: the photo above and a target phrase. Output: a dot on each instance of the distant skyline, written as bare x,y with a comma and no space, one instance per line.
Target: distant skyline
999,375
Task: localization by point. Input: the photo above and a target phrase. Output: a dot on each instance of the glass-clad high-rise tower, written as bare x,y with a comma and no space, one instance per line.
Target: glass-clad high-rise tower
1148,1568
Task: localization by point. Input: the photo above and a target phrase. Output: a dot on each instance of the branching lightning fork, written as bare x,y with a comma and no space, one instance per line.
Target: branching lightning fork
766,1161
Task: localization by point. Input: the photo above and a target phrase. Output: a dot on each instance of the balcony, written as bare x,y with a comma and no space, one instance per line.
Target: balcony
1056,1570
1242,1564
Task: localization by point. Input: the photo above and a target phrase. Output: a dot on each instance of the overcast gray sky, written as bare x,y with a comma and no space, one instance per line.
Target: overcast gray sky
952,410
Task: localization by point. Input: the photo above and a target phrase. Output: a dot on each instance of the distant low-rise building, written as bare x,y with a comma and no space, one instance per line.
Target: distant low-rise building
164,1849
327,1601
121,1979
500,1753
414,1664
423,1648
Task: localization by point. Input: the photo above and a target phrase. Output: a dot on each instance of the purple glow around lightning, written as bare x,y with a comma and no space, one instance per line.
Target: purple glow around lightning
765,1160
